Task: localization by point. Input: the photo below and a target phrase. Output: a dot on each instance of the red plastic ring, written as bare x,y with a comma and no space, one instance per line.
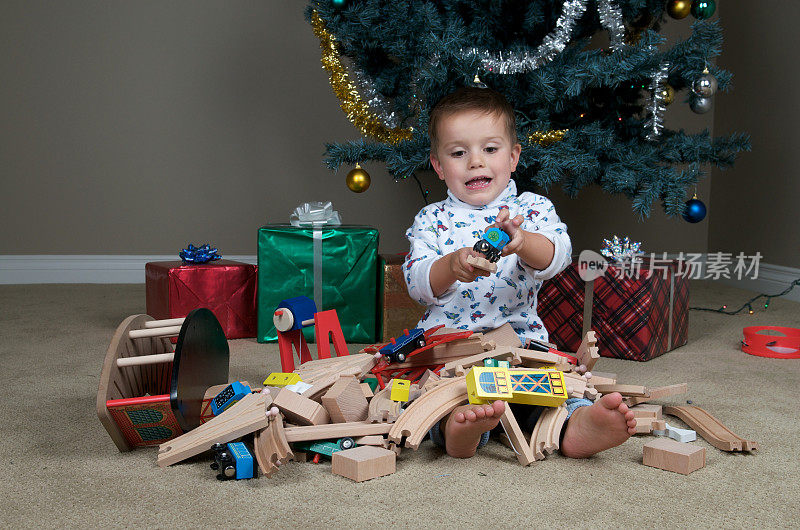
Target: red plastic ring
772,346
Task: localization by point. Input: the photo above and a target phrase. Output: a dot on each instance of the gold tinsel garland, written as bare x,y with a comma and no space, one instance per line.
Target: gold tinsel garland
545,138
353,105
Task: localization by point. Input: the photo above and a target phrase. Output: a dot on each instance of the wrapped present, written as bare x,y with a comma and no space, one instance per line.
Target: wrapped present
398,311
334,265
637,312
227,288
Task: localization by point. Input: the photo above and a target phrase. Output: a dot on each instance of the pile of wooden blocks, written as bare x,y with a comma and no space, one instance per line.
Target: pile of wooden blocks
334,402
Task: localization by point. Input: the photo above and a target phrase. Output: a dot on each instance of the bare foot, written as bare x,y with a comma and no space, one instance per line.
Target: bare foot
463,429
601,426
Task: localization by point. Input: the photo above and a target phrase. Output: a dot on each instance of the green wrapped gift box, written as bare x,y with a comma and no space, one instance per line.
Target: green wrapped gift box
343,260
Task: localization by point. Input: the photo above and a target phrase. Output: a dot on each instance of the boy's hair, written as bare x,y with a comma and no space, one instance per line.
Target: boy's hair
471,98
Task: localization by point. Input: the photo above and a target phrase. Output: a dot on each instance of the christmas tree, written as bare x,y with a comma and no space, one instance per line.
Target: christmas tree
585,114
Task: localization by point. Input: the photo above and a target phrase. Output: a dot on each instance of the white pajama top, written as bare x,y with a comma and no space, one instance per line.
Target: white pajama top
509,295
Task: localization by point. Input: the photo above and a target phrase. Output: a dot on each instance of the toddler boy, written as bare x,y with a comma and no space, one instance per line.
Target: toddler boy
474,150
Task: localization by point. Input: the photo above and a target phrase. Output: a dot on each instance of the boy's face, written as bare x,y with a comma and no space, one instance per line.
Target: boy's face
475,156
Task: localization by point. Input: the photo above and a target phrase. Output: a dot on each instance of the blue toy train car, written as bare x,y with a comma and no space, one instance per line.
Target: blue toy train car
233,461
398,349
492,243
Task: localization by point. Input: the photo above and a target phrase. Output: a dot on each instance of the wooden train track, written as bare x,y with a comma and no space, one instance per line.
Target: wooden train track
547,433
382,409
426,410
271,446
710,428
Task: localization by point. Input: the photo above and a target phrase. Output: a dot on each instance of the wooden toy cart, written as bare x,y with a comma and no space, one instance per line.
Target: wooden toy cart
150,393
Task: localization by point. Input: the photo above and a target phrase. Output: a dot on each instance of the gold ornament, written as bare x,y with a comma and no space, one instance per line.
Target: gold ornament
545,138
353,105
679,9
358,180
668,94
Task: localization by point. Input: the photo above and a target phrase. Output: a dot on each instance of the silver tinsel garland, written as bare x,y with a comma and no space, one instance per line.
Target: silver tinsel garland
611,19
377,103
505,62
656,106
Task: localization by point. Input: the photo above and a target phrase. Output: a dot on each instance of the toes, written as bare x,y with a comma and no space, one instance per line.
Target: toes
623,408
470,415
479,412
459,417
612,401
499,407
629,415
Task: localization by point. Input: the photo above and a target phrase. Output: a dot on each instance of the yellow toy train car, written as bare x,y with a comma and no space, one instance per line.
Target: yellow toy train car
532,387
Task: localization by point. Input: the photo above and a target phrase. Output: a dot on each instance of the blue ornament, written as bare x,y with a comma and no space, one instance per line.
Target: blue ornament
202,254
339,4
695,210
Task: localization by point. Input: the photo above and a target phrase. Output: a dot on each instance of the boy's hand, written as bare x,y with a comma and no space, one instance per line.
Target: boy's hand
512,228
462,270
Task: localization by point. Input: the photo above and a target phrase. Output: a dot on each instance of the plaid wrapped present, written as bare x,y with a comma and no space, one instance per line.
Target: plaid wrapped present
636,314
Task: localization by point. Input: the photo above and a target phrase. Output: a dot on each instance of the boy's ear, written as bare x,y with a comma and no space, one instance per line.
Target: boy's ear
515,152
437,167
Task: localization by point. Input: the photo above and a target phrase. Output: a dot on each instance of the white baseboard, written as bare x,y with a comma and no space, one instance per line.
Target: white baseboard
772,279
82,268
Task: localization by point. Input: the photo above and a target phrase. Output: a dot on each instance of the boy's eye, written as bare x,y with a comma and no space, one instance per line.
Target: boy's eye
490,149
458,153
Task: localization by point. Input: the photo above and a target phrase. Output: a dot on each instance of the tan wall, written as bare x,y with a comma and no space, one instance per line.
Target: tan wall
755,204
136,127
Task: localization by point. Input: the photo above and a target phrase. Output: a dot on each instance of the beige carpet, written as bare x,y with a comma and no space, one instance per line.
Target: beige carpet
62,469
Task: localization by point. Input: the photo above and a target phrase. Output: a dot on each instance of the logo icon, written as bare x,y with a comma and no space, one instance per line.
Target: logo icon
591,265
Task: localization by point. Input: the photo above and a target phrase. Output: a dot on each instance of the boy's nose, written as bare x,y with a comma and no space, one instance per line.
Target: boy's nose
475,161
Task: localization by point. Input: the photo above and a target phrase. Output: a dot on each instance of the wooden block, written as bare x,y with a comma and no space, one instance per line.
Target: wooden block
373,439
427,376
625,390
647,411
503,336
587,353
659,393
367,390
670,455
603,378
515,435
345,401
335,430
660,428
591,393
363,463
482,263
299,456
644,425
301,410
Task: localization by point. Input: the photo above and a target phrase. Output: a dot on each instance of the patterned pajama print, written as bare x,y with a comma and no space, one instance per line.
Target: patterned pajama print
509,295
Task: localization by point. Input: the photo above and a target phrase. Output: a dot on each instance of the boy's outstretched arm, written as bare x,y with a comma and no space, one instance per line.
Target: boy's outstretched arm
451,267
534,249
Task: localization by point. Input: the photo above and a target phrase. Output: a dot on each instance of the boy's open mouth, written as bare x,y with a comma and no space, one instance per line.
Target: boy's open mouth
478,183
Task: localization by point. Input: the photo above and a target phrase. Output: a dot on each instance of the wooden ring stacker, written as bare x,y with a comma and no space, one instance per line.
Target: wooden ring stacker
773,346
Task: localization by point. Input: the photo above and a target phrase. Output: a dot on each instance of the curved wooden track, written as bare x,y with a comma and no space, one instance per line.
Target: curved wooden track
710,428
270,446
545,436
415,422
131,381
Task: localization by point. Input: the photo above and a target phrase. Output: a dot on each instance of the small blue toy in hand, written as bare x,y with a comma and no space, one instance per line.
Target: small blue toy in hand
492,243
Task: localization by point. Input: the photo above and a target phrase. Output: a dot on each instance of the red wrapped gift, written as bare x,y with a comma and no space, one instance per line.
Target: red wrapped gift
636,313
227,288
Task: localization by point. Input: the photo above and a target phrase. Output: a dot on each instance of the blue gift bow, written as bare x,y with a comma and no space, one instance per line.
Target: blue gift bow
201,254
